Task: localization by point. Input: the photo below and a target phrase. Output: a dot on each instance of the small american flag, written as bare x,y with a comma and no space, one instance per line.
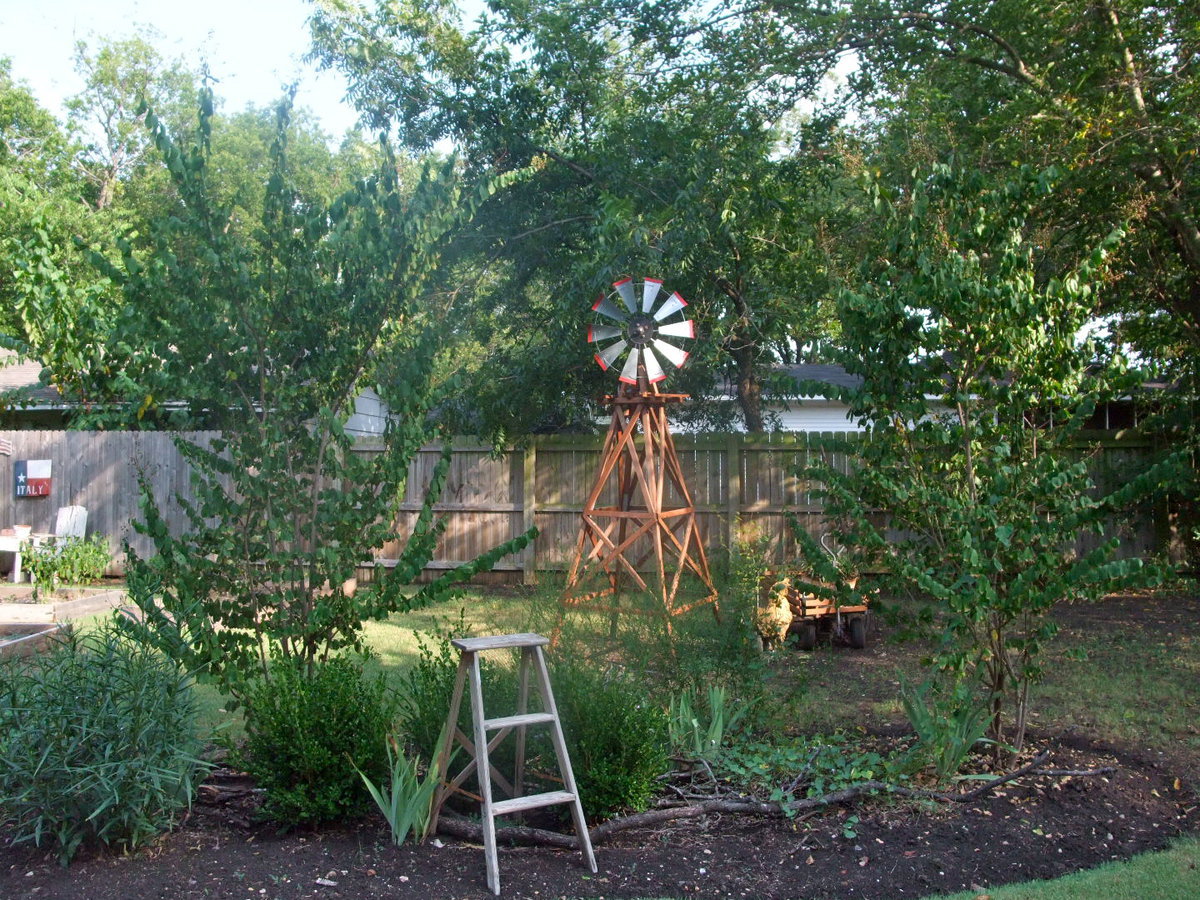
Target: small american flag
6,447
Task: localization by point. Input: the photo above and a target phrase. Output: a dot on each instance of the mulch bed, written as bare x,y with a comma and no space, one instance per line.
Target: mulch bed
1032,828
1029,829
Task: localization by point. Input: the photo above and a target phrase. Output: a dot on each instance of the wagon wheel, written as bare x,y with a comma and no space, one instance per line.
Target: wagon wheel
856,632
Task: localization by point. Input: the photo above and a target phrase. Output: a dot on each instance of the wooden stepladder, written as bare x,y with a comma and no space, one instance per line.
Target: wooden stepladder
480,745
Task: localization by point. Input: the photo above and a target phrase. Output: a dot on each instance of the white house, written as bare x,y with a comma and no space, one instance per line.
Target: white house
809,411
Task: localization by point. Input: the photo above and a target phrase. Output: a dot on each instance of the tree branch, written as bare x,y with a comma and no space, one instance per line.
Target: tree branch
457,826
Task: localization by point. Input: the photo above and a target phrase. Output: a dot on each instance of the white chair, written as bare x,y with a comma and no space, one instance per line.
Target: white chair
71,523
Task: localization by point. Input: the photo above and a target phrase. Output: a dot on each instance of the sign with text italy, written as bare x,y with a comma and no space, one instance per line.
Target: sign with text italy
31,477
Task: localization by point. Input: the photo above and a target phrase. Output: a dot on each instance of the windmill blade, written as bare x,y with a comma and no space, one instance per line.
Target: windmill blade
625,289
606,356
602,332
629,372
673,354
649,291
673,304
605,307
684,329
654,372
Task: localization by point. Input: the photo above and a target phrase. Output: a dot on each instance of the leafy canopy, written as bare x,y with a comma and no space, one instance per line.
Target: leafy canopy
650,132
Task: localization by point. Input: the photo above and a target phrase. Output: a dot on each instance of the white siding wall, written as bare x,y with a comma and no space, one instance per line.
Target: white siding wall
370,415
816,415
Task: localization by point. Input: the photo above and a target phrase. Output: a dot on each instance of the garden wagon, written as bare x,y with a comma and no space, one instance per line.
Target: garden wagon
813,614
793,607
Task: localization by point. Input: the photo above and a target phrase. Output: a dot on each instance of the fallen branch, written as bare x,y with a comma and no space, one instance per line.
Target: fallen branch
462,828
456,826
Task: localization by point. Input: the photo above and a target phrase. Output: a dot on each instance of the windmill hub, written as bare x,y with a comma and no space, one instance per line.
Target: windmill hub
640,326
642,330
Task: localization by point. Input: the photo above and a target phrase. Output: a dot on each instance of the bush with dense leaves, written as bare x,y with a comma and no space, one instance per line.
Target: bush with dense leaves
307,728
427,687
617,739
97,742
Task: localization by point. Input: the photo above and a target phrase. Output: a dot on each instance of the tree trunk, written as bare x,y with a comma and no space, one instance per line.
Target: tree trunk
749,389
744,349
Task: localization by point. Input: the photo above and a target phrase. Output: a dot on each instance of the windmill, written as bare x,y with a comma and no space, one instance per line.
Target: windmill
639,508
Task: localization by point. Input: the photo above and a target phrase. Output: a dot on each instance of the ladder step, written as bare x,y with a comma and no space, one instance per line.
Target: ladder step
532,801
500,642
517,721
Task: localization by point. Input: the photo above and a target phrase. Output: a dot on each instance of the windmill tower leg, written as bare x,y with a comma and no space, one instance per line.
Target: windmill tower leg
651,517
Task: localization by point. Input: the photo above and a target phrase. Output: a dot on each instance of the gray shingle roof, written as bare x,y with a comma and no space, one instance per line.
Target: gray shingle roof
826,373
25,376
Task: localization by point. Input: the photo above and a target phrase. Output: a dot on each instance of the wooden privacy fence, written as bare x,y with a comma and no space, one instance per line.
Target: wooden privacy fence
490,498
99,471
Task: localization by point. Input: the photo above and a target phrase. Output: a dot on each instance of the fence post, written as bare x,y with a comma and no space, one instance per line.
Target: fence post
733,486
529,508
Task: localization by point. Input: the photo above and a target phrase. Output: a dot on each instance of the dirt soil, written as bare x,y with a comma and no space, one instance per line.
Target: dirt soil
1030,829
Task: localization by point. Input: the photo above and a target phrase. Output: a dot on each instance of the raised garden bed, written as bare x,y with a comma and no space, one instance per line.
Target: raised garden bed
22,639
18,605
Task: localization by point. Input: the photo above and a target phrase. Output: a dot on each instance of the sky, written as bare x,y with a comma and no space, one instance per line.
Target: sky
252,47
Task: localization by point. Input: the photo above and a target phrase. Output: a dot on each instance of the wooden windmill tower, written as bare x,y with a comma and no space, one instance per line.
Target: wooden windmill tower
638,525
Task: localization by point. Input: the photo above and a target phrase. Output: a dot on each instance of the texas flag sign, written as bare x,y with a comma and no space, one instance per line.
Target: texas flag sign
31,477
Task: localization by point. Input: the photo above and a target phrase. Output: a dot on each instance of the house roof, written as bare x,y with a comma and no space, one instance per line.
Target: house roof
24,375
826,373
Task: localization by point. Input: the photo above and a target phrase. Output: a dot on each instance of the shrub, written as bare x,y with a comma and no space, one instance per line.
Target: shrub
68,561
97,742
310,730
425,693
616,738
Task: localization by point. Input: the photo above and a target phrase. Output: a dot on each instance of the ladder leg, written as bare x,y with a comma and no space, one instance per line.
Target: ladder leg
564,761
483,770
522,708
443,760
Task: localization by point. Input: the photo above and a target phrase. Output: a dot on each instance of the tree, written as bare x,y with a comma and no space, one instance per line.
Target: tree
121,77
1105,91
49,299
61,310
968,489
275,329
653,152
241,160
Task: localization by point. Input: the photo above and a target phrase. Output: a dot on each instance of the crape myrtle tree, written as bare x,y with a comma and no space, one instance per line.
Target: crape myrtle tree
272,331
968,488
652,134
1105,90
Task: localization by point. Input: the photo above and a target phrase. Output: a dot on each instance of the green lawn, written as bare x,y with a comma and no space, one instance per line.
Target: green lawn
1171,875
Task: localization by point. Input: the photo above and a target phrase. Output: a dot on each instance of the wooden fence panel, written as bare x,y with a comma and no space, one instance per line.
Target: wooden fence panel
99,471
737,482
